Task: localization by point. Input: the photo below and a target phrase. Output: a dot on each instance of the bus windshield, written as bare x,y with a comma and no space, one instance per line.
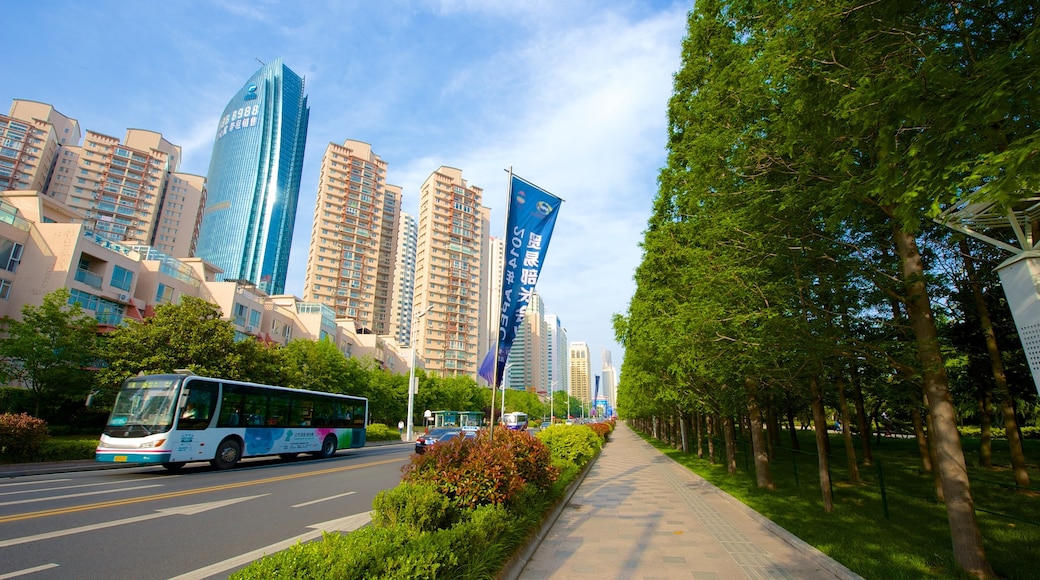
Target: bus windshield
143,406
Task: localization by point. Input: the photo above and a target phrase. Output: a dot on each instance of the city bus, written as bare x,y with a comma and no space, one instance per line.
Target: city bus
172,419
516,421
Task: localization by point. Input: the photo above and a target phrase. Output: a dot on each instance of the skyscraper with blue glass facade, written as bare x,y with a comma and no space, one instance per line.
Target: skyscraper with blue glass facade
254,179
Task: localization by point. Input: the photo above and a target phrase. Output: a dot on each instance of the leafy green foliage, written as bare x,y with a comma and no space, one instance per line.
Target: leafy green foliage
381,432
575,443
419,532
22,436
420,507
49,350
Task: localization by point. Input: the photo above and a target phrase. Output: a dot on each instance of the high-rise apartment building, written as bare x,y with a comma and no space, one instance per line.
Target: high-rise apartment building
254,179
404,282
451,242
557,359
131,191
580,372
350,264
528,365
31,140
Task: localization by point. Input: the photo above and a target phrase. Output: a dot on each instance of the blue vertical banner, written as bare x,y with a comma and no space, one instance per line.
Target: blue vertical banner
530,218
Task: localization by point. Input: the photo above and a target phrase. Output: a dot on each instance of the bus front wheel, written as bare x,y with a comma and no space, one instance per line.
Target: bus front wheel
228,453
328,447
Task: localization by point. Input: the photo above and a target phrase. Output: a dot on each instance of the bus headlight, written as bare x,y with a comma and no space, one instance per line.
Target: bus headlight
156,443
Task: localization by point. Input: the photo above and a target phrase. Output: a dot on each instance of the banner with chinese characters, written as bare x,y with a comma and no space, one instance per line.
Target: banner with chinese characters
530,218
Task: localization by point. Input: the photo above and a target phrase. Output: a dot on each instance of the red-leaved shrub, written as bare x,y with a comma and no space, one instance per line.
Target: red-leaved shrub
21,436
475,472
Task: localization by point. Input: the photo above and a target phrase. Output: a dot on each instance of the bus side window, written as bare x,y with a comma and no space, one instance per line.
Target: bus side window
202,400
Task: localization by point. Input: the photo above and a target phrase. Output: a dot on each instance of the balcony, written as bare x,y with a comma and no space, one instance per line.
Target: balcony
89,278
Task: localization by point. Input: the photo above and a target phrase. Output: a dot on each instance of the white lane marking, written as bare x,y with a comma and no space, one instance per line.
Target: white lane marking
18,573
187,510
324,499
347,524
72,495
23,491
34,482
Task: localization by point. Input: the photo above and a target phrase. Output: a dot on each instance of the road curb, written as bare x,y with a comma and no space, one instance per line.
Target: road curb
517,563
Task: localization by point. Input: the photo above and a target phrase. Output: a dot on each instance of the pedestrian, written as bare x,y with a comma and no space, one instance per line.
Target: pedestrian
400,427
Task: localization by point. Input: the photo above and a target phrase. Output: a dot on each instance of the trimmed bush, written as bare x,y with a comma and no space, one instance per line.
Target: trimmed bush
21,437
417,506
576,443
67,450
380,432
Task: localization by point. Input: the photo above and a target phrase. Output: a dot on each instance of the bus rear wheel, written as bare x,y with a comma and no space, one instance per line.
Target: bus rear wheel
328,447
228,453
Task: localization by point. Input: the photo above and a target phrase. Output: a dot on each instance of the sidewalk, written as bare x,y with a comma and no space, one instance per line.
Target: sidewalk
640,515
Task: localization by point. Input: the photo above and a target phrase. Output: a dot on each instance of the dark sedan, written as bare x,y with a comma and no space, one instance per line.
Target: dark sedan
435,436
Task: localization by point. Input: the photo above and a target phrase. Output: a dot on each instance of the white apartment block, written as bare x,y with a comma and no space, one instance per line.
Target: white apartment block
404,282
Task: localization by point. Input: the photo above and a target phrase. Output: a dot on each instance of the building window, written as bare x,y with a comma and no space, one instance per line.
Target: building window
164,294
10,255
122,278
5,289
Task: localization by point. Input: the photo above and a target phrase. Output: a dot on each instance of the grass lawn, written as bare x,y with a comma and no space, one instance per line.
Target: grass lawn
913,541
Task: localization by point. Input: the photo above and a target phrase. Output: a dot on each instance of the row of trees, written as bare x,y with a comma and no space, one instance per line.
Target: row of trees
55,351
791,260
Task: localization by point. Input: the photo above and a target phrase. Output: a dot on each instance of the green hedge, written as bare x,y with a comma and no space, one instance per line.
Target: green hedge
380,432
973,431
420,532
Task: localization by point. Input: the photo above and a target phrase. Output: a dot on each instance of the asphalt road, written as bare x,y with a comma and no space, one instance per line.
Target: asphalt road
145,523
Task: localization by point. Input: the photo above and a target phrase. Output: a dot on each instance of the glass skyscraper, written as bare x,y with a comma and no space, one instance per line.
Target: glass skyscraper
254,179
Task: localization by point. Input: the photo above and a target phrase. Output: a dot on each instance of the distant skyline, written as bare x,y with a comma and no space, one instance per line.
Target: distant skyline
572,95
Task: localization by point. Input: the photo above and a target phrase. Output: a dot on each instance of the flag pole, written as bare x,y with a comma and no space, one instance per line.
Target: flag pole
498,301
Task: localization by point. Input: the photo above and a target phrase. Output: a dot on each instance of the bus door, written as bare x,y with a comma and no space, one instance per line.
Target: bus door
198,402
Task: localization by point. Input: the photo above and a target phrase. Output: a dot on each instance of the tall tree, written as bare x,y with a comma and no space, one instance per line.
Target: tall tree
49,349
846,107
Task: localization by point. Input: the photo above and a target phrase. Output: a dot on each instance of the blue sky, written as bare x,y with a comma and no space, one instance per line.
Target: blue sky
572,94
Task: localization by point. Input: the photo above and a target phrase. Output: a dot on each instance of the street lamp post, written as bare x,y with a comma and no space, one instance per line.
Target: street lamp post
411,374
551,385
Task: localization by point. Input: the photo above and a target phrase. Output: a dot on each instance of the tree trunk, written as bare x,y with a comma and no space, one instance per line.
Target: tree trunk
698,423
711,438
820,421
846,431
763,477
960,507
861,419
985,429
791,430
684,433
922,440
936,477
730,433
1007,407
772,430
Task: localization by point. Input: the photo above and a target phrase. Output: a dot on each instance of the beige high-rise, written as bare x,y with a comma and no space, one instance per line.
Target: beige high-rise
581,372
350,263
452,239
32,138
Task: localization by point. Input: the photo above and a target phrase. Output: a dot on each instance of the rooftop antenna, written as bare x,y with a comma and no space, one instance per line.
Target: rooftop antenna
262,63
